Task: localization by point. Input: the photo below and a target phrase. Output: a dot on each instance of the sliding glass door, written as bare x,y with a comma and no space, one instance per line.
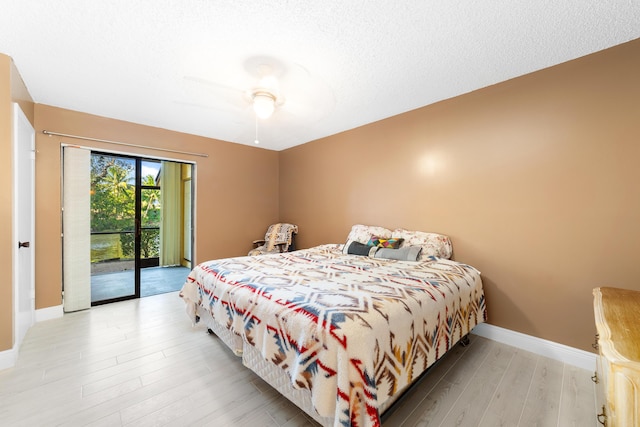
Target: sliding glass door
113,228
129,213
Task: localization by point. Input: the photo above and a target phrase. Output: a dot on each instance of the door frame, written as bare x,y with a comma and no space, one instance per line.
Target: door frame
22,130
139,158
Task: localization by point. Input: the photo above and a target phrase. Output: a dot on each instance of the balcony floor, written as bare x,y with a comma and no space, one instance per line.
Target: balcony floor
153,281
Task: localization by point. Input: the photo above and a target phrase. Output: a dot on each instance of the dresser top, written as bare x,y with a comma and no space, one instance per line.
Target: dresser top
617,315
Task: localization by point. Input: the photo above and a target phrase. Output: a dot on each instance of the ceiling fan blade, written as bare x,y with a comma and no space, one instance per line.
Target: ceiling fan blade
208,106
214,86
197,91
308,98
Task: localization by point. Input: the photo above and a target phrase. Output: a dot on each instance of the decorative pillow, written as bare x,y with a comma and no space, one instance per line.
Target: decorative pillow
357,248
392,243
408,253
362,233
432,244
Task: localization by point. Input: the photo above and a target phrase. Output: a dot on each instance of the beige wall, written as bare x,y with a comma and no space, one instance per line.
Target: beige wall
12,89
536,180
236,187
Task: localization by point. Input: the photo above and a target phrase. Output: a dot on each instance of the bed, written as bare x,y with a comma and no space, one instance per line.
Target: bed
339,329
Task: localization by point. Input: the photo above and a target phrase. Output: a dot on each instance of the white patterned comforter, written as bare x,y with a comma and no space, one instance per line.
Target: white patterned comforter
353,330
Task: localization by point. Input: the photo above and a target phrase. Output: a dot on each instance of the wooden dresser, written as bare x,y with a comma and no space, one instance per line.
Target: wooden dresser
617,314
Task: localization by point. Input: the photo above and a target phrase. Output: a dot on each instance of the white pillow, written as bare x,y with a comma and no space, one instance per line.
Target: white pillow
433,244
362,233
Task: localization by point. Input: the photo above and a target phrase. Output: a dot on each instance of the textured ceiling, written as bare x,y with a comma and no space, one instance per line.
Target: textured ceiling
185,65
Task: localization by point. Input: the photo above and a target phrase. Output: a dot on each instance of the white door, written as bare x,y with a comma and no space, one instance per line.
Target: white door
23,224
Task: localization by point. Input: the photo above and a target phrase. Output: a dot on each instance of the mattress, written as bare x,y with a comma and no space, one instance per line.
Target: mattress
349,331
279,380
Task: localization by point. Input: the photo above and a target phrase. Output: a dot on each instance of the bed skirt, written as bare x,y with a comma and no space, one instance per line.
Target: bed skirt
231,340
277,378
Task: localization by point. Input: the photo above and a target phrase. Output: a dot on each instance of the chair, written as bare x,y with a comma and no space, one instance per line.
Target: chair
279,238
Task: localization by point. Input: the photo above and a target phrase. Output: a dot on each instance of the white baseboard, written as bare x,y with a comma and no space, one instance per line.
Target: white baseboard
8,358
49,313
572,356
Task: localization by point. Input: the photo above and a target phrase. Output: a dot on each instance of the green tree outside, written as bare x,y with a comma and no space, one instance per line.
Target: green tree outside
113,209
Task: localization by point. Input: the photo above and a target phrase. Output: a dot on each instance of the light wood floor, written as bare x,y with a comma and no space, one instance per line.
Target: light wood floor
141,363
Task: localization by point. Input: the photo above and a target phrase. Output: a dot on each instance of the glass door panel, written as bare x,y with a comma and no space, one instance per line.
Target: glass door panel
130,215
163,196
150,218
113,231
150,214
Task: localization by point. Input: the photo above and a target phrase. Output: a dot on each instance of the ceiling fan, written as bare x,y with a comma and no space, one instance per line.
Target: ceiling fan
266,96
261,87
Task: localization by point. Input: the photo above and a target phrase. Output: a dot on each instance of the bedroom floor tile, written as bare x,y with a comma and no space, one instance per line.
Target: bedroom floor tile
141,363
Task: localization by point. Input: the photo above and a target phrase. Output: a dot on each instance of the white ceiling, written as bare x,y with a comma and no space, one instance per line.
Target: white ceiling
184,64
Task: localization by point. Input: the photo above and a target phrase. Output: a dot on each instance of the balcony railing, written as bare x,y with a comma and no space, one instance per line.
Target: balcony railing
111,246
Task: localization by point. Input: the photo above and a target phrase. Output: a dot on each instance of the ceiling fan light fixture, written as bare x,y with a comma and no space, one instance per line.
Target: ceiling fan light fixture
264,103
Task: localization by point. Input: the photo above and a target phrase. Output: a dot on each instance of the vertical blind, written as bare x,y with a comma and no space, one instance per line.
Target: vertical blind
76,229
186,214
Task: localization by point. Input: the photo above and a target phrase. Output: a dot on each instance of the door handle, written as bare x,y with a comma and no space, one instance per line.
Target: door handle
23,245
